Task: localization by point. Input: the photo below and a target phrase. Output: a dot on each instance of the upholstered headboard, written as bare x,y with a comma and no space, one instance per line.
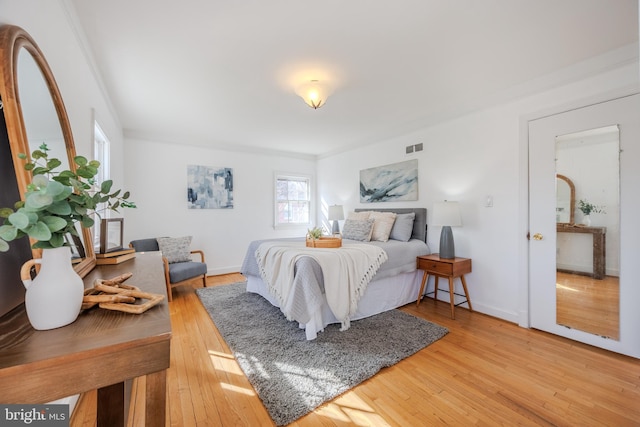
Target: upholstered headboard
419,224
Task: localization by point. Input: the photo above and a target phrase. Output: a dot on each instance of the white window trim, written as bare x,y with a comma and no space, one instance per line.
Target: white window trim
278,175
102,153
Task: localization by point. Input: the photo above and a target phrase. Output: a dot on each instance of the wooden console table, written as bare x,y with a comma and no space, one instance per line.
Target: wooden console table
599,247
101,350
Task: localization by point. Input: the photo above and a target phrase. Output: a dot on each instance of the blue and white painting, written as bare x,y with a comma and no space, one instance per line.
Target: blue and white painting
209,187
390,183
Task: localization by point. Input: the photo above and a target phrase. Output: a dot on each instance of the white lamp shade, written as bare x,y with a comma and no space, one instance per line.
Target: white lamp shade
446,213
336,212
314,93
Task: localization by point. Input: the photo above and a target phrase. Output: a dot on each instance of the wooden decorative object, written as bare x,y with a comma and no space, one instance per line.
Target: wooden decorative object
152,299
116,253
95,295
116,280
324,242
99,298
112,294
115,259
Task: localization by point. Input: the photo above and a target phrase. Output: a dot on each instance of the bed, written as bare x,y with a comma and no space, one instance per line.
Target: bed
395,283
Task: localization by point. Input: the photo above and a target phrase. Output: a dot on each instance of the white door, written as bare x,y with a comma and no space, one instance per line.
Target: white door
625,113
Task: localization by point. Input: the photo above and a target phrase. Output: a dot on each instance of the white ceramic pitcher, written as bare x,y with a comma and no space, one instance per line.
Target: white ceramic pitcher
54,298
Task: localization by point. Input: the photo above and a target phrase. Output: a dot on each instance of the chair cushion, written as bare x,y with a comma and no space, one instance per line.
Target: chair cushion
180,271
145,245
175,249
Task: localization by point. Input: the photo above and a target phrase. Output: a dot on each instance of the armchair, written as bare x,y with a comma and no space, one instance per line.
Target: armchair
178,272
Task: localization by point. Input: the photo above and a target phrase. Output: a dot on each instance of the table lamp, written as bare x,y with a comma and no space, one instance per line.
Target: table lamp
336,213
447,215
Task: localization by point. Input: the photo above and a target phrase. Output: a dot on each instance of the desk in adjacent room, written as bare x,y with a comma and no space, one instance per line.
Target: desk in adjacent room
599,245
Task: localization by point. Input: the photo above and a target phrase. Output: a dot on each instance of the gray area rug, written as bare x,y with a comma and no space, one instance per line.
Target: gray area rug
294,376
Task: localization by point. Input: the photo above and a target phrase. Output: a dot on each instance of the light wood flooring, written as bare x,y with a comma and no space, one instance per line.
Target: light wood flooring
485,372
588,304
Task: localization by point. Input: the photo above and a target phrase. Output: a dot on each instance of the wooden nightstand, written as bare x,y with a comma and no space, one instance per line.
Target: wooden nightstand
445,268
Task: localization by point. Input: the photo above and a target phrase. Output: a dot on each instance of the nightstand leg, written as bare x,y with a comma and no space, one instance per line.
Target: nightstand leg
464,286
435,290
451,298
424,280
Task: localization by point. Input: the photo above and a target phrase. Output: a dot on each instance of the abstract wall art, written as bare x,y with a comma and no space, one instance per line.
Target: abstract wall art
390,183
209,187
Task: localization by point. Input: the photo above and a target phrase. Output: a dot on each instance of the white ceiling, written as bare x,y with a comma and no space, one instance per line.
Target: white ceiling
223,73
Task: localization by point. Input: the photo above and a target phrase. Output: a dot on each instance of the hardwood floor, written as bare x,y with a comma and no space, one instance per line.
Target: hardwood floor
484,372
588,304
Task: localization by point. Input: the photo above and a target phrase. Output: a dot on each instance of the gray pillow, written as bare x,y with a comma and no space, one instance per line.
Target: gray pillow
403,227
176,249
358,229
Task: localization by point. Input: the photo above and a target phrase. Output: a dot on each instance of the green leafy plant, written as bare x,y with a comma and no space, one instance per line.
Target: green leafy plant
589,208
315,233
56,200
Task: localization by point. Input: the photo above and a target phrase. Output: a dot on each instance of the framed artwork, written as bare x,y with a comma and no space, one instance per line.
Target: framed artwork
111,234
77,247
390,183
209,187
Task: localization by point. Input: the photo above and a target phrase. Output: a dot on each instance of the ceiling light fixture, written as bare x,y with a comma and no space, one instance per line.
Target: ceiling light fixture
314,93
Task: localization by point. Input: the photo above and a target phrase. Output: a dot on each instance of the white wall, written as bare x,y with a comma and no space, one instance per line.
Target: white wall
156,175
467,159
49,22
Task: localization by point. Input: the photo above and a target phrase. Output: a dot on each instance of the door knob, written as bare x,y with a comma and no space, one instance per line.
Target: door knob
537,236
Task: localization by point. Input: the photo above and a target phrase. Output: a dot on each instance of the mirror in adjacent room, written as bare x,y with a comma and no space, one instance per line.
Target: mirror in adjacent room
565,200
587,256
34,113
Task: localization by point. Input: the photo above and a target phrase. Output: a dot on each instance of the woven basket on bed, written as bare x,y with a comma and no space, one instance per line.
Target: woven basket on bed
324,242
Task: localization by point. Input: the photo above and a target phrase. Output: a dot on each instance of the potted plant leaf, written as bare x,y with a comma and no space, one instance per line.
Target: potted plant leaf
54,202
587,209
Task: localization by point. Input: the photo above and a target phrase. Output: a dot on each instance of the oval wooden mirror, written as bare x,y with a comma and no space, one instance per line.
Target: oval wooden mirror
565,200
34,113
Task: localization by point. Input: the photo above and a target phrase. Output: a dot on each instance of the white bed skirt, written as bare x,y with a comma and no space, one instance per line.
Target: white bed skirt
381,295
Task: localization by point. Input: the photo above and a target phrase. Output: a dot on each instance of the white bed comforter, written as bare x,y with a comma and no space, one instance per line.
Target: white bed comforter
395,284
347,271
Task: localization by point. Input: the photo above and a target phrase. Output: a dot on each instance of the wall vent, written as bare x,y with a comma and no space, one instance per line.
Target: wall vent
409,149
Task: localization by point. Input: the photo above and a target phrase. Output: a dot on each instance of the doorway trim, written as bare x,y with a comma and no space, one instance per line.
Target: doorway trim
524,281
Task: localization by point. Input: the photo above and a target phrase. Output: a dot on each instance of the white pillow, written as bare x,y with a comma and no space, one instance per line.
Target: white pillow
383,223
359,216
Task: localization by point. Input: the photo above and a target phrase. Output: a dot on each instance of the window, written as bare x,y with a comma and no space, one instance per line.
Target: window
293,200
101,153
